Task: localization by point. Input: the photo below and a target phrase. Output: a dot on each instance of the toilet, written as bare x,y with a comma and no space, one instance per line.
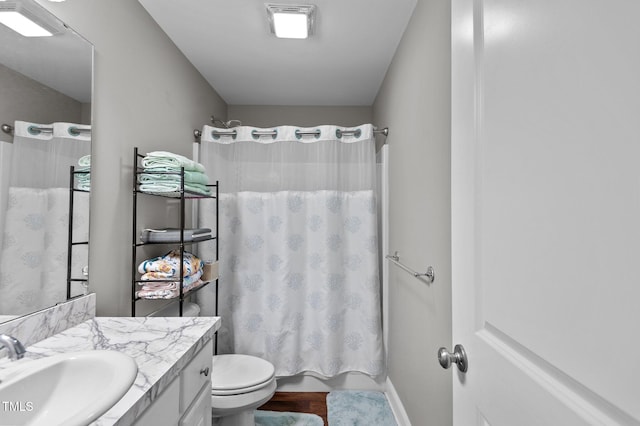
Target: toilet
239,385
172,310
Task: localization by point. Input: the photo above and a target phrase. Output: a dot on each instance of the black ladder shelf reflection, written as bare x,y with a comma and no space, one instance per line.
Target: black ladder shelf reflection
70,242
183,196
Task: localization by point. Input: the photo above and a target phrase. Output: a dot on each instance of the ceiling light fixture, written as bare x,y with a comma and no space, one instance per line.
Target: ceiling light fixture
20,20
291,21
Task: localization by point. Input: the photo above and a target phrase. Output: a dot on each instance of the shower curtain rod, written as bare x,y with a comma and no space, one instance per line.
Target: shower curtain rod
198,133
8,129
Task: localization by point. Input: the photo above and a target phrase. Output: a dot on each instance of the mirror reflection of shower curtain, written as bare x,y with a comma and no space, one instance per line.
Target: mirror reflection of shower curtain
298,253
33,256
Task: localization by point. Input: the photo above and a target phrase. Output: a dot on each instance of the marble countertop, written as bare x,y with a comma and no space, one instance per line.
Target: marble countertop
161,346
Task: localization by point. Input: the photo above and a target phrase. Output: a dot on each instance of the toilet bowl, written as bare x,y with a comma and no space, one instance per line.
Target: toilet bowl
239,385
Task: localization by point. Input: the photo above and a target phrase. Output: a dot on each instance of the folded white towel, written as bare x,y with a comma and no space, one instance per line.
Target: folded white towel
166,293
85,161
168,159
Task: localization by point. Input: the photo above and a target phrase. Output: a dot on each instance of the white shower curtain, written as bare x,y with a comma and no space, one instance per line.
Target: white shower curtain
298,247
5,177
33,255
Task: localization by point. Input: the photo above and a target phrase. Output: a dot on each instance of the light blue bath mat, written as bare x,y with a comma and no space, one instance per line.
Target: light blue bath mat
359,408
276,418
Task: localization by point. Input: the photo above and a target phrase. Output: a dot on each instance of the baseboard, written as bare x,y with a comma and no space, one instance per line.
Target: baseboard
396,405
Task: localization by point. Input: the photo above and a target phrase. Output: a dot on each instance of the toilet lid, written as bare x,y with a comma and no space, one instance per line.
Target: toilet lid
235,372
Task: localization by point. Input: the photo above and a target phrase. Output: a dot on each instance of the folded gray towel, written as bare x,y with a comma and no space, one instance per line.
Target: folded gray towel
172,235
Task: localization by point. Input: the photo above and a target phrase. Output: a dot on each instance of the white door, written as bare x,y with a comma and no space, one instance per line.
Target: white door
546,211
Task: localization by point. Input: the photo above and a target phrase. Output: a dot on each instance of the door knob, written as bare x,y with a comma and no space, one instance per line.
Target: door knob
459,357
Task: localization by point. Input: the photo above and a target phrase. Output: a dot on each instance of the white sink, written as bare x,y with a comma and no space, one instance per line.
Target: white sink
67,389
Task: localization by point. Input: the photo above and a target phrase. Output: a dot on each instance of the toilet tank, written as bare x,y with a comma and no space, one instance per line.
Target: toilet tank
189,309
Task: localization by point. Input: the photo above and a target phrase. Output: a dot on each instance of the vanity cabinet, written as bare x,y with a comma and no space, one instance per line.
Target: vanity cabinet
182,195
187,400
164,410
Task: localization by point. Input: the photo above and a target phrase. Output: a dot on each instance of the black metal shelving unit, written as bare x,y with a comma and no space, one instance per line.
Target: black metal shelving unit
183,196
70,242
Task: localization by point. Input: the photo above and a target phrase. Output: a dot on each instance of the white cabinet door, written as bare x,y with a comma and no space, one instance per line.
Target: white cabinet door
196,375
164,410
199,414
546,211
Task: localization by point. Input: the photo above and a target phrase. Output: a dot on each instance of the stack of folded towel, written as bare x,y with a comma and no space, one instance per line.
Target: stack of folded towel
172,235
162,174
167,267
83,175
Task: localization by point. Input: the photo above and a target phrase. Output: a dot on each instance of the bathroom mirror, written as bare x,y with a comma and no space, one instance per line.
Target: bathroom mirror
45,80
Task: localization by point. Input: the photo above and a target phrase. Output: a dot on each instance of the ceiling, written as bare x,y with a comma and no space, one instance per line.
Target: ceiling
343,63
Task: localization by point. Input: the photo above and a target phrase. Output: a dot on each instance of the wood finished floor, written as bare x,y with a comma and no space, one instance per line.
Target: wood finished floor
299,402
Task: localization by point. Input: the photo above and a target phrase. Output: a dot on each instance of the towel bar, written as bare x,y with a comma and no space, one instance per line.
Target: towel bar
429,276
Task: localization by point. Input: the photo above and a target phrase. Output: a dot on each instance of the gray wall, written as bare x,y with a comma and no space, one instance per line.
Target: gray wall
146,94
414,102
24,99
304,116
85,114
